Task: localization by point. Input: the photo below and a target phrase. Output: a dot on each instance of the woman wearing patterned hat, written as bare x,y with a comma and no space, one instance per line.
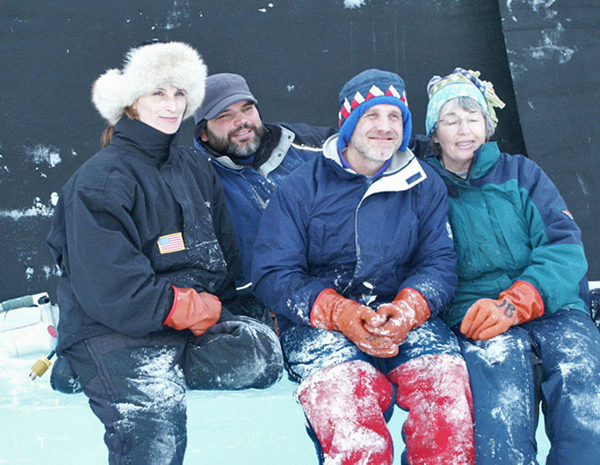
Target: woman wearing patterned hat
148,260
520,311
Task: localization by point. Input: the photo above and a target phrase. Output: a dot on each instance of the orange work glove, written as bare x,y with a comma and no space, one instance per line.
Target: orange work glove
487,318
194,311
336,313
407,311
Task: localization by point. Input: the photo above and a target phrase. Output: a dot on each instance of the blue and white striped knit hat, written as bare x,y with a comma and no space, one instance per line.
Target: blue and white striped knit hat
365,90
460,83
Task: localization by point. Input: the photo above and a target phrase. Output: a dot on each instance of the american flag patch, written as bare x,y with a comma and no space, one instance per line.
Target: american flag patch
170,243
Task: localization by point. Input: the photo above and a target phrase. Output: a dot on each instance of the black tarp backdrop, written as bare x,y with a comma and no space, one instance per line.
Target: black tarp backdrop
296,55
554,53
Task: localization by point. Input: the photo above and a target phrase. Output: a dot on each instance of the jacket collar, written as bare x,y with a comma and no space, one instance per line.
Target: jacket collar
486,156
152,142
403,173
270,159
484,159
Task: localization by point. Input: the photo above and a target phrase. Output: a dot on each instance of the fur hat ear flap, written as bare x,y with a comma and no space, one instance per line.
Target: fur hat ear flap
107,96
146,69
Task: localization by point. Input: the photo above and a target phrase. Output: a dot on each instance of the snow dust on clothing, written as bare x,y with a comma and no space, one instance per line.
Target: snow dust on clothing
550,358
115,291
347,395
137,390
137,386
510,223
328,227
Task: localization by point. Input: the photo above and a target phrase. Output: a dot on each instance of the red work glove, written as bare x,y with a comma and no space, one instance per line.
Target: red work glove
407,311
336,313
194,311
487,318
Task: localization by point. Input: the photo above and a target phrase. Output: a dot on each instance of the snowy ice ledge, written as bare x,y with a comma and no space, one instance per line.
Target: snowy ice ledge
263,427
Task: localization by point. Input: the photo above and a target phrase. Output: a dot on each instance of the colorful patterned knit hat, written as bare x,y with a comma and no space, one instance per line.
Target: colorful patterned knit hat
460,83
365,90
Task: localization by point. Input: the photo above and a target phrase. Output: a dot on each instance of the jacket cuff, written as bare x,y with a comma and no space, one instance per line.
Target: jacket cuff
175,294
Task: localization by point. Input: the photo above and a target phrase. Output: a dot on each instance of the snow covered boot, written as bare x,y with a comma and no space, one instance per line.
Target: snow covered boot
344,405
436,392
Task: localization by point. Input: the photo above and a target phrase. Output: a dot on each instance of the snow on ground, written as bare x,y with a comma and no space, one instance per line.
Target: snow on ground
262,427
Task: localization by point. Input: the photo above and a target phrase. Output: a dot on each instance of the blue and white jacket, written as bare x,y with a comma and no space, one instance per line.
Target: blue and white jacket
329,227
248,189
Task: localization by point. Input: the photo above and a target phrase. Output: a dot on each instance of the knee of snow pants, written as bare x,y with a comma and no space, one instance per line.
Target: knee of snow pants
308,350
436,392
504,372
345,406
236,353
136,388
569,347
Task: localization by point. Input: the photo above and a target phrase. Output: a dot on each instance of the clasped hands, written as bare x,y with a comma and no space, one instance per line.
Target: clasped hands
378,333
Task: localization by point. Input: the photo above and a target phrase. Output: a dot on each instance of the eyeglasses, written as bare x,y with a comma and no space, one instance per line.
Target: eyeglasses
453,122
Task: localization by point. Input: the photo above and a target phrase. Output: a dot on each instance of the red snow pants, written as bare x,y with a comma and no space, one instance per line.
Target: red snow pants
345,406
436,392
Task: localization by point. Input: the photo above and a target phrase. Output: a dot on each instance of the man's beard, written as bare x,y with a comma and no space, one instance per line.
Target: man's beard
226,146
370,151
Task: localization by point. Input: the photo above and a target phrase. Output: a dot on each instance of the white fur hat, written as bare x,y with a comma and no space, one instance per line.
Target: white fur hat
147,68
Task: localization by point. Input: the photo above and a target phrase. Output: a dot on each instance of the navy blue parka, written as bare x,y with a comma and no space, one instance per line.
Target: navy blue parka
329,227
248,188
105,229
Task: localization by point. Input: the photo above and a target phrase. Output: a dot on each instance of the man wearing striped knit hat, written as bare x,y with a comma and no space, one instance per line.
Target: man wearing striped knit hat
355,257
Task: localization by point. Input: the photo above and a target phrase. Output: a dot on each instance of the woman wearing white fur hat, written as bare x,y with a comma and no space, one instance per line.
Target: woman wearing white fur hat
148,260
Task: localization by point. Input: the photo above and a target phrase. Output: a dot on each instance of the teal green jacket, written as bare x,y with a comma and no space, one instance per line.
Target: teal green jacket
510,223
